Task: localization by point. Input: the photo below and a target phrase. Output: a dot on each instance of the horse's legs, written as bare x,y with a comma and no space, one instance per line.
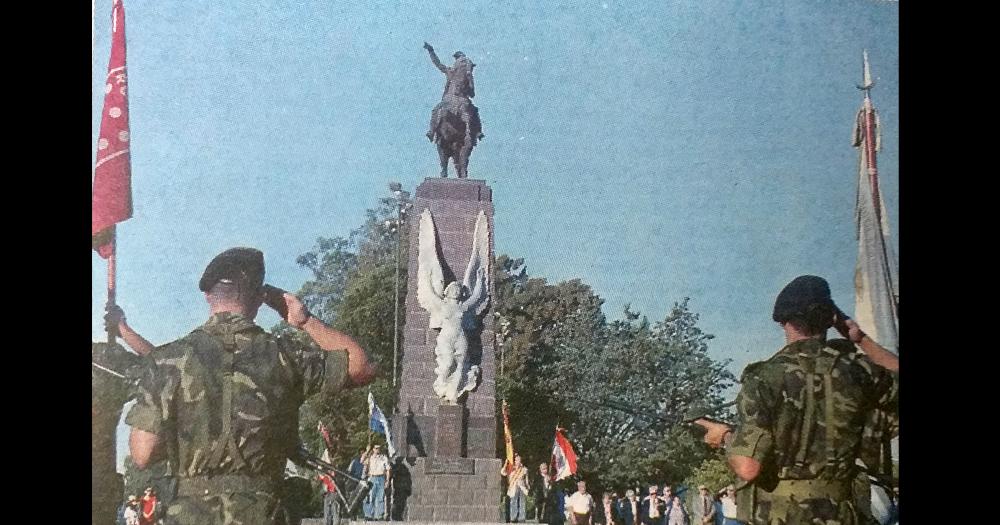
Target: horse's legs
462,160
443,155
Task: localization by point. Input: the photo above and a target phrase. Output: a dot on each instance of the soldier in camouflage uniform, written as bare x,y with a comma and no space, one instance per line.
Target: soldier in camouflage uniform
109,393
804,414
221,404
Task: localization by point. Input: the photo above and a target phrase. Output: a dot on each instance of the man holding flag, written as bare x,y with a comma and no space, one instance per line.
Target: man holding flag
378,466
111,199
111,203
517,488
563,463
563,457
330,511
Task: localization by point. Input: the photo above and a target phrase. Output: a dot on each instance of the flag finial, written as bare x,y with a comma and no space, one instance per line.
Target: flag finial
867,83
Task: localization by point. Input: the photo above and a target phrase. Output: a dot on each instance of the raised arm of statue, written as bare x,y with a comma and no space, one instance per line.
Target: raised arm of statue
434,58
478,292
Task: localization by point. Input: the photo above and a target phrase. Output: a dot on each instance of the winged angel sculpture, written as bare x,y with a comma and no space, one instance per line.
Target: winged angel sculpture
454,309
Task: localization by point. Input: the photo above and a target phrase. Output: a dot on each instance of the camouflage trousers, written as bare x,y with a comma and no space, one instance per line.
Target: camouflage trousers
795,505
233,508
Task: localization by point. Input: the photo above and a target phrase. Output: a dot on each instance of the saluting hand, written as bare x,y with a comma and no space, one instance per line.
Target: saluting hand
847,326
287,305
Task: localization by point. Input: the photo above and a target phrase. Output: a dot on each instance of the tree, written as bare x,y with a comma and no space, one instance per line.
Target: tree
532,317
622,389
635,385
353,289
714,473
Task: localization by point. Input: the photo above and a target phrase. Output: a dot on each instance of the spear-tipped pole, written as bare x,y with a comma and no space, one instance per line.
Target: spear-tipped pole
866,86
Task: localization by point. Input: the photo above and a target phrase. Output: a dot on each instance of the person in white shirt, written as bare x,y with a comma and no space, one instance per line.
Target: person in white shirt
378,472
131,513
729,506
653,507
580,506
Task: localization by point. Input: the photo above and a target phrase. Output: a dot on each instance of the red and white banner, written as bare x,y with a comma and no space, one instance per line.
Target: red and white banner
563,457
112,192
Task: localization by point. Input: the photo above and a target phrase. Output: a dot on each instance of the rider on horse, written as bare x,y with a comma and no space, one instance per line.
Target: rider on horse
458,92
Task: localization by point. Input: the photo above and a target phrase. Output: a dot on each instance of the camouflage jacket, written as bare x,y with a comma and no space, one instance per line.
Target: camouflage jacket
109,394
803,415
224,399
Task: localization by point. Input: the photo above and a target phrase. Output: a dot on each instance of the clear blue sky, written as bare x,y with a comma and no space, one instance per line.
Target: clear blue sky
656,150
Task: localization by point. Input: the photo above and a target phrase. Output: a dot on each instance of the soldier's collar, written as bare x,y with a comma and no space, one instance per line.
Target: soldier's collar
228,321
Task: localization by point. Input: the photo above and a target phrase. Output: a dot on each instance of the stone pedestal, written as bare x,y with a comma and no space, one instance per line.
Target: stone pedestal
451,472
449,432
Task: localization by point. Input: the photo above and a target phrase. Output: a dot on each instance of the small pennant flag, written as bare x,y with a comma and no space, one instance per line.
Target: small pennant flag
508,441
378,423
112,191
563,457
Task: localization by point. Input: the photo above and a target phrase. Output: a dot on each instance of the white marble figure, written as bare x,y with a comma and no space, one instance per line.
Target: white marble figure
454,309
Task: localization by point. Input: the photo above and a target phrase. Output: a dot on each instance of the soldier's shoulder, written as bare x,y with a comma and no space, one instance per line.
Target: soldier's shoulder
288,342
853,358
180,347
766,369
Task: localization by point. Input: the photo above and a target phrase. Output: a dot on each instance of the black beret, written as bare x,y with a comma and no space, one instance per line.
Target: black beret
244,265
798,295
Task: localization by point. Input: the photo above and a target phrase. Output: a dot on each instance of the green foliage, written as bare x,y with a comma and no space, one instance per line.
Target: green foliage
621,388
714,473
353,289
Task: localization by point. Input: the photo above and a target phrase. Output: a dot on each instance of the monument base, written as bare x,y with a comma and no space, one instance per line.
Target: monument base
449,432
448,489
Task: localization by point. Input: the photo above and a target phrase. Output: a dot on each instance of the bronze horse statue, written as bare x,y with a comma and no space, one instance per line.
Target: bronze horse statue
458,130
455,125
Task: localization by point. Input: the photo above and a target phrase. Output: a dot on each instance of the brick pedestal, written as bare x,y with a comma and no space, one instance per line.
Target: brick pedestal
450,472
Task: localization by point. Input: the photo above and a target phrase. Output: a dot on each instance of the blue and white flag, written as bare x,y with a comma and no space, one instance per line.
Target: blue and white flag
378,423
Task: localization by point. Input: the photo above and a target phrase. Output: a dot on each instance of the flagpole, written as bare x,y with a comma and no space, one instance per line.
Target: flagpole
112,330
870,153
871,161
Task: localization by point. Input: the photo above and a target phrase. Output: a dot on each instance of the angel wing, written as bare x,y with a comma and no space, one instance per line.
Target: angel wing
430,277
479,261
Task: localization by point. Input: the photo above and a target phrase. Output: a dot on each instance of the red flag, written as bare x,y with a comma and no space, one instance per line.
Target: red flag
112,194
563,457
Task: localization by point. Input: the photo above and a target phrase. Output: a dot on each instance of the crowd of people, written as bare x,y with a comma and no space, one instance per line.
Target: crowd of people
658,506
